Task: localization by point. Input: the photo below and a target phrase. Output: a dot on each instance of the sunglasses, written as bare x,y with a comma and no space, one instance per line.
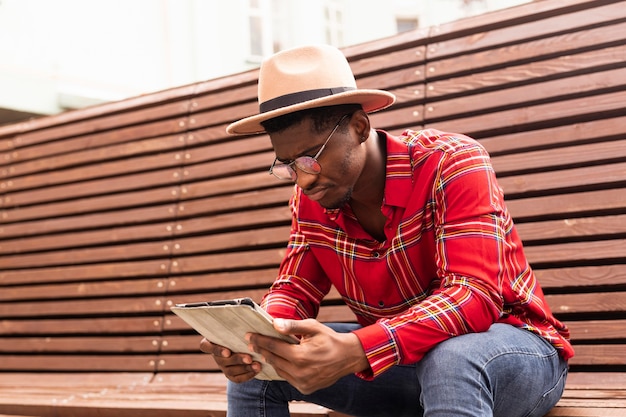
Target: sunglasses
308,164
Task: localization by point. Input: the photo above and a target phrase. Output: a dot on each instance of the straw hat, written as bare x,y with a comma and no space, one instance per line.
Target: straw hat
303,78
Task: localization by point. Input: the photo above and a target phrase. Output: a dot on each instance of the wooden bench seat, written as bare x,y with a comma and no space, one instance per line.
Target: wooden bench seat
112,214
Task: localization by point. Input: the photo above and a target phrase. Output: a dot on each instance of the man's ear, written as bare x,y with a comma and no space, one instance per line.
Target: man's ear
361,124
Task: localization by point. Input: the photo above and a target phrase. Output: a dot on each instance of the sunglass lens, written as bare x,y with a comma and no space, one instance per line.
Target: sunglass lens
308,165
283,171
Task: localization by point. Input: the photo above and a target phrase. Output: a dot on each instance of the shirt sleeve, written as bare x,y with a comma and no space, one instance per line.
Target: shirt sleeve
301,283
473,249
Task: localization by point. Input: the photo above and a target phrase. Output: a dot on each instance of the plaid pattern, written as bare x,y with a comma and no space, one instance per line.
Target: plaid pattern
452,261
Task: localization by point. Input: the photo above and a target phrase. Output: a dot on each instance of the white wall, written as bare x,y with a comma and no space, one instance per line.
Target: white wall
57,54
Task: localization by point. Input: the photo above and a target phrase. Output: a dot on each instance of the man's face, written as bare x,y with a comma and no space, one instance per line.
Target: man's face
341,160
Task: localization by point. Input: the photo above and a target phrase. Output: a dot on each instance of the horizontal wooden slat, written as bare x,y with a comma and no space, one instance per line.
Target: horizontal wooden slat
101,170
588,302
69,325
187,362
93,162
537,27
230,151
92,140
599,355
605,226
84,289
411,117
561,156
234,240
53,209
127,120
596,380
584,276
534,117
85,380
89,272
187,343
227,261
597,329
592,131
121,306
78,238
588,408
602,175
576,252
567,205
257,219
157,250
516,62
85,221
231,184
219,281
168,176
77,362
79,345
512,96
275,196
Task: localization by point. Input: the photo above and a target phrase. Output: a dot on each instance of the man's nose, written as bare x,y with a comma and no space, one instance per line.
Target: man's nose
304,179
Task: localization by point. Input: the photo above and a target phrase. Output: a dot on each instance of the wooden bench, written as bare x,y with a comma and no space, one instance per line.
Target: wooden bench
111,214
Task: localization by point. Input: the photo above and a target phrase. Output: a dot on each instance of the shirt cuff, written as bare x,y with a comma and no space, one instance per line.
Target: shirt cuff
380,348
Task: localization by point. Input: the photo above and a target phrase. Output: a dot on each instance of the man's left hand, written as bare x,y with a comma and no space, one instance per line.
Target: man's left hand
318,361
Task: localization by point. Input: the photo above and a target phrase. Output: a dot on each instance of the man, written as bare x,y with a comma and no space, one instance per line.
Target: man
414,233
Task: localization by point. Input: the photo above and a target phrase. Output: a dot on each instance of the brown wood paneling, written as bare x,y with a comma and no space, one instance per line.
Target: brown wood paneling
112,214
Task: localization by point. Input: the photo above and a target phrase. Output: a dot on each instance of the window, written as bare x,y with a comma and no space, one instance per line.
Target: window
334,23
259,19
406,24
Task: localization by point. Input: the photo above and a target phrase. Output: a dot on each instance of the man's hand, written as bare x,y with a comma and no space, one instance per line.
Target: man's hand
322,357
238,367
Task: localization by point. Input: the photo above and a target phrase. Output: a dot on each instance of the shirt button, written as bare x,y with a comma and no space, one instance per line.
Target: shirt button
376,254
381,303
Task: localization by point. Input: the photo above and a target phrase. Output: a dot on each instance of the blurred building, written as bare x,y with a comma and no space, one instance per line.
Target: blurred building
66,54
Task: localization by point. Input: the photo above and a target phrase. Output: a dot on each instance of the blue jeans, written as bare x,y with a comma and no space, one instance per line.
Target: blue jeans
505,372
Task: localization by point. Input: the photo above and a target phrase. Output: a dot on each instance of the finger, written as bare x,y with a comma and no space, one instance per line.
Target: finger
282,356
297,327
260,343
235,359
213,349
242,373
275,357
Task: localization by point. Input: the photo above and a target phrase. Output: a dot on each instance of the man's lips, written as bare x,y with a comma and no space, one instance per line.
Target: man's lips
316,193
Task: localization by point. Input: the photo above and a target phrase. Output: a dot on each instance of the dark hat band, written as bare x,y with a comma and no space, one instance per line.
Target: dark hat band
300,97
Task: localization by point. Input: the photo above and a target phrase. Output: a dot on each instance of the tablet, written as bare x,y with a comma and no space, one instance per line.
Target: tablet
226,322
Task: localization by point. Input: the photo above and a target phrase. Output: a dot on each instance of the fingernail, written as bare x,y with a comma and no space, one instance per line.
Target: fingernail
280,323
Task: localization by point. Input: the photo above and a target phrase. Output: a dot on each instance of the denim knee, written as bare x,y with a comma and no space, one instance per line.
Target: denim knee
505,371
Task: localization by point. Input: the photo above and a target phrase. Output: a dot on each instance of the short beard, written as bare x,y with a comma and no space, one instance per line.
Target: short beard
337,204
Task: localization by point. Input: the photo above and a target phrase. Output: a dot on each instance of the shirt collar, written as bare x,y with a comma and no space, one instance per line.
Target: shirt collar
399,174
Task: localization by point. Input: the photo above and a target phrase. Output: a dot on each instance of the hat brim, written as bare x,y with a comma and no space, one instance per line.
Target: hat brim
371,100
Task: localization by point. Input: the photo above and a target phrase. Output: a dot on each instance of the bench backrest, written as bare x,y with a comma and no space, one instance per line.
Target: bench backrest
111,214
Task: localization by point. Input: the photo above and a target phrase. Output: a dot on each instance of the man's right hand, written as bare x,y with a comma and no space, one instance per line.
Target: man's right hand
238,367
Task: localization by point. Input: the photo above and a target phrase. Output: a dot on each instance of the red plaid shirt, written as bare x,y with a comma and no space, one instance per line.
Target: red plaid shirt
452,262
